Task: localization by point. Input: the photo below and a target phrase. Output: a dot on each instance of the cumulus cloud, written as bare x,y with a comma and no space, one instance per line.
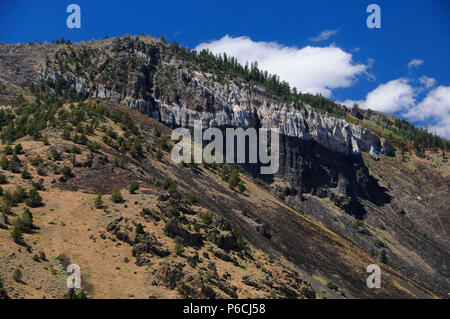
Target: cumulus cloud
324,35
414,63
441,128
391,97
399,96
435,108
310,69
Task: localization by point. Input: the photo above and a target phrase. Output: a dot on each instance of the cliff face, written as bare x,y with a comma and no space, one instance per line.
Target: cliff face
243,105
320,154
172,93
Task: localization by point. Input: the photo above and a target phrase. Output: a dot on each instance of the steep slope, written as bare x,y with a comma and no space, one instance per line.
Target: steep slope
325,171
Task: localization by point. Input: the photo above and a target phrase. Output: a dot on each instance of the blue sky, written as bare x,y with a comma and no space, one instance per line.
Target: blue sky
355,63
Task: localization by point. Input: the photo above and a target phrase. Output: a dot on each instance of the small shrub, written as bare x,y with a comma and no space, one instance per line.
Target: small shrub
3,179
36,258
67,172
191,201
93,147
36,161
3,220
358,223
25,221
3,294
42,170
234,179
6,206
18,149
79,294
169,185
133,188
332,286
158,154
98,201
34,199
42,256
242,187
8,150
57,156
240,240
39,185
116,196
45,140
17,276
383,256
25,173
14,165
19,195
4,162
179,249
75,150
139,229
16,235
207,218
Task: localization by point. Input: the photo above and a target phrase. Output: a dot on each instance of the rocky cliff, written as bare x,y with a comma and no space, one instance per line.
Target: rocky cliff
145,75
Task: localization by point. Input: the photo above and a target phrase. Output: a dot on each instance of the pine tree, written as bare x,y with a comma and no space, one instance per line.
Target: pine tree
17,235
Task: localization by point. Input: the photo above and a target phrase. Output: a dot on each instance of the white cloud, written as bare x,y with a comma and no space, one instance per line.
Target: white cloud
391,97
399,96
350,103
435,108
427,82
310,69
324,35
441,128
414,63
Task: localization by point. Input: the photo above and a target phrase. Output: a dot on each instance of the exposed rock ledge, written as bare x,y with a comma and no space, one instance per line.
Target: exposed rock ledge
240,105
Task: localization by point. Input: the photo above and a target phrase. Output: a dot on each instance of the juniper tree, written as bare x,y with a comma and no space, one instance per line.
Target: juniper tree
34,199
139,229
17,276
25,173
116,196
98,201
133,188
